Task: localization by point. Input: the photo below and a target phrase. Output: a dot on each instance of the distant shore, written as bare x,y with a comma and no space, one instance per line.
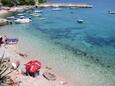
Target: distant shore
7,11
75,5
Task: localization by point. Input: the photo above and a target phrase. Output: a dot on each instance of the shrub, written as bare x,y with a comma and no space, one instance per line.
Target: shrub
7,3
26,2
5,80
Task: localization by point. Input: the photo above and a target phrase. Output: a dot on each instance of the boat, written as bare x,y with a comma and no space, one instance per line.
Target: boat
80,21
42,18
11,17
37,11
22,20
56,9
111,12
35,14
20,14
4,21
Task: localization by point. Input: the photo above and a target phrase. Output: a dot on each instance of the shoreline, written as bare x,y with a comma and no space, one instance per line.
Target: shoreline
12,52
79,65
54,54
7,12
75,5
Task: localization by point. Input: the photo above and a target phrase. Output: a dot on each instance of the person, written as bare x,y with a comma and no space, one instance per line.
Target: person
5,39
1,40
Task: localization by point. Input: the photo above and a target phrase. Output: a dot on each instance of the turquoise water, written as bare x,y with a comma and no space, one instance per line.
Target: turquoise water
88,49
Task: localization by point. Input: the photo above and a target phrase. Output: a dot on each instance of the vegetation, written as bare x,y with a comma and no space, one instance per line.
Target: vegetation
41,1
7,3
5,80
20,2
26,2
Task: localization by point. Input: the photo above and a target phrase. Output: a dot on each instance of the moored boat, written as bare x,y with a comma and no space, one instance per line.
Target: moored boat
35,14
11,17
80,21
20,14
56,9
22,20
37,11
111,12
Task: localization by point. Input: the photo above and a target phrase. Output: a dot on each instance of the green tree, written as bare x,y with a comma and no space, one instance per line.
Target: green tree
42,1
26,2
7,2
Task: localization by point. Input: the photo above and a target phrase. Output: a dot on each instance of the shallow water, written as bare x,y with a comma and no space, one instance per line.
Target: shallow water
86,50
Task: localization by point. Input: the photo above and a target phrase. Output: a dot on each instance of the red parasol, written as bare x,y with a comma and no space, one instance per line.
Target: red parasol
33,66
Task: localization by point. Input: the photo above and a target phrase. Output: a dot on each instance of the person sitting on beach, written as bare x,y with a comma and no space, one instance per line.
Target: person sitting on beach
1,40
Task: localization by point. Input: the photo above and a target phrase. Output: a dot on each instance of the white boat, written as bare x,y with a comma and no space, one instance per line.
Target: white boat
37,11
20,14
111,12
35,14
42,18
80,21
22,20
56,9
11,17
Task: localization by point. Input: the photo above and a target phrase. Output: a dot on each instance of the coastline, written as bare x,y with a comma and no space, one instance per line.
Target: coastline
7,12
81,73
12,52
75,5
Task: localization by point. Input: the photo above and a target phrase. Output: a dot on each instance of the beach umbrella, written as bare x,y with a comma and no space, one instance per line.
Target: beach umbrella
33,66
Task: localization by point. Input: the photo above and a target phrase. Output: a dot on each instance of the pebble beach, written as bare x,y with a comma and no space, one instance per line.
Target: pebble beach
77,54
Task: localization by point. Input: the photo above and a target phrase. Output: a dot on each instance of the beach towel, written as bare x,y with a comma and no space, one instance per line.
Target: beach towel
11,40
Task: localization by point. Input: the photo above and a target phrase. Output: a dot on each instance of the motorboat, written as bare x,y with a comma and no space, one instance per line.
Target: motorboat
37,11
22,20
20,14
11,17
56,9
3,21
42,18
80,21
111,12
35,14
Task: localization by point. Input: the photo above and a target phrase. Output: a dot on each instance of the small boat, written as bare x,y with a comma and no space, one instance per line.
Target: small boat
80,21
35,14
111,12
20,14
11,17
42,18
4,21
56,9
37,11
22,20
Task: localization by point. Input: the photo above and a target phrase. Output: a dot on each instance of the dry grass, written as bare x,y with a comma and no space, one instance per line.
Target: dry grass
5,70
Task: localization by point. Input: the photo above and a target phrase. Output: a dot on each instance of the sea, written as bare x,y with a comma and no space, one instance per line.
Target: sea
82,53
